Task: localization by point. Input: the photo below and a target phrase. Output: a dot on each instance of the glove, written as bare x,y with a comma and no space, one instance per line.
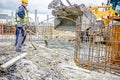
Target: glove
22,20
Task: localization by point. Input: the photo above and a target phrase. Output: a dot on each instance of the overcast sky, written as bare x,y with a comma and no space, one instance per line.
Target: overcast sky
8,6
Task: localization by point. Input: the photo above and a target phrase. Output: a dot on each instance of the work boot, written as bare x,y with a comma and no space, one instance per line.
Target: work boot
18,50
21,51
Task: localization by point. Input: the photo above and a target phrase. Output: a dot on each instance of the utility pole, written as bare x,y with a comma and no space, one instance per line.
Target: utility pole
47,19
35,17
12,16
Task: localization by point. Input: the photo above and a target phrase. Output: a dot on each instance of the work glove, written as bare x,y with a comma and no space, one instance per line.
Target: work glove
22,20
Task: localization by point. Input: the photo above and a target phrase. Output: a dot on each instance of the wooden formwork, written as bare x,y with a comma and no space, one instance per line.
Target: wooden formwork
8,29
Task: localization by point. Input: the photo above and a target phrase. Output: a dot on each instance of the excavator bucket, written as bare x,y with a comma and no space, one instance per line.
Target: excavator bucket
66,17
65,24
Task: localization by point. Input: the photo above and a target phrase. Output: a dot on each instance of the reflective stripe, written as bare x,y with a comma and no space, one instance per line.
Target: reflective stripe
16,21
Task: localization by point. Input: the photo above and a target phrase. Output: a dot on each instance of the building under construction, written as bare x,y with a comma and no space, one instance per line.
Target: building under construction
83,43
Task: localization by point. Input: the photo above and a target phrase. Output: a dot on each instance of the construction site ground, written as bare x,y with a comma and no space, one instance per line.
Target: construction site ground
46,63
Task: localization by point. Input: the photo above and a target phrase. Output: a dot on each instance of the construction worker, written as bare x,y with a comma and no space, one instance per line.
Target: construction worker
21,21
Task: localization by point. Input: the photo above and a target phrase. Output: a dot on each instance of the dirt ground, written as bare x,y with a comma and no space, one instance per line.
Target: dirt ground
46,63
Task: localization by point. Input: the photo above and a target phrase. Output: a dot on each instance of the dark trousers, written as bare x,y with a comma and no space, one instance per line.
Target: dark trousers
17,35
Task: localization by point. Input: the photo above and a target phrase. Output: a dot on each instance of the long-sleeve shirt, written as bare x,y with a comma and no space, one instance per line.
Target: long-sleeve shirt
21,12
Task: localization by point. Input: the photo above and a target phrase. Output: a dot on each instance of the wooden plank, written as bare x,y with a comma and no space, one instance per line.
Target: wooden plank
8,64
63,66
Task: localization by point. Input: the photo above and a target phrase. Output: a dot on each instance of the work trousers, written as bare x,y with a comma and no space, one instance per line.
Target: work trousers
17,34
20,38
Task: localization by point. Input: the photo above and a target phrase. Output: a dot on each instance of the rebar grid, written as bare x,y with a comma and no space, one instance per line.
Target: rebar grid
99,50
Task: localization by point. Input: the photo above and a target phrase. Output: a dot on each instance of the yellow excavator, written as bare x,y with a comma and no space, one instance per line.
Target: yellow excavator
106,15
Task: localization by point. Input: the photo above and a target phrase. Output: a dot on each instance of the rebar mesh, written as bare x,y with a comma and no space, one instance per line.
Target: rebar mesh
99,50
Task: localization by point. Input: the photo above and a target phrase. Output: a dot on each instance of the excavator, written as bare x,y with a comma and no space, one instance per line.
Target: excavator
102,19
72,12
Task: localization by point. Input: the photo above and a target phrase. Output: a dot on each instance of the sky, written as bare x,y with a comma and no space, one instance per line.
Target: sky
9,6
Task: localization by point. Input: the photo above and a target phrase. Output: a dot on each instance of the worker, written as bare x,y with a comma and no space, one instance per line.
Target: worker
21,21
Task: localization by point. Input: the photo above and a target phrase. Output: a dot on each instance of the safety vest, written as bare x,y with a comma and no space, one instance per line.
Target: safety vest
19,20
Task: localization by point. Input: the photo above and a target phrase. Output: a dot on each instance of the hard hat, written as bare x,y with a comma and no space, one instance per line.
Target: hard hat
25,1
